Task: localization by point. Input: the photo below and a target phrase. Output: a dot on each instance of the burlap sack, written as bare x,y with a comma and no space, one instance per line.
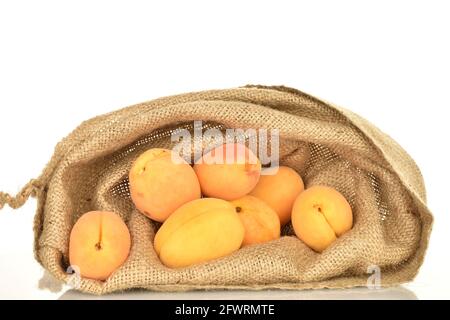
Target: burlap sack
324,143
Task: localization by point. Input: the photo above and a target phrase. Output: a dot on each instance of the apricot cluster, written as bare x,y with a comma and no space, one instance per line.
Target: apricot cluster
225,201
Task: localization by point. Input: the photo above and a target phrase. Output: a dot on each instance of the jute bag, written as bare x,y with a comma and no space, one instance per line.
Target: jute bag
324,143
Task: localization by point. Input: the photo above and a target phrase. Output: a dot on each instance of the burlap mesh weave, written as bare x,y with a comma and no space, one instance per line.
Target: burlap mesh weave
324,143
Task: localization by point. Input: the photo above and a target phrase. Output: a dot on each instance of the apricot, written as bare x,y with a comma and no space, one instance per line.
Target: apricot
279,190
199,231
99,244
260,221
160,182
320,215
228,172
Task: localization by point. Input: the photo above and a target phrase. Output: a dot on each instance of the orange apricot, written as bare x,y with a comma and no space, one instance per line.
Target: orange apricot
199,231
279,190
99,244
228,172
260,221
160,182
320,215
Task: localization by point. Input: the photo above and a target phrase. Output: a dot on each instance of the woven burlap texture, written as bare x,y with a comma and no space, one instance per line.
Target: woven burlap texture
326,144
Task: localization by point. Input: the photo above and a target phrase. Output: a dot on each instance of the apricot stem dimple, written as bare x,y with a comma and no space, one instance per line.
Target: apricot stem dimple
98,246
238,209
318,207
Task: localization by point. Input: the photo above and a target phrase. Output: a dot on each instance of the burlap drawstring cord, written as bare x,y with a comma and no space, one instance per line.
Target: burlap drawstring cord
33,188
29,190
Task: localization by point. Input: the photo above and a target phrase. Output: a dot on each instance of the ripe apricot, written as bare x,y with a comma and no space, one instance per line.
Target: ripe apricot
320,215
160,182
99,244
228,172
260,221
199,231
279,190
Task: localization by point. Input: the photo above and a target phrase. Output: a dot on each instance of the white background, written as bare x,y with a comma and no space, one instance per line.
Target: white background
62,63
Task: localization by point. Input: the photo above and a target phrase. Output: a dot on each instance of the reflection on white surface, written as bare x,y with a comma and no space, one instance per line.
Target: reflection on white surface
394,293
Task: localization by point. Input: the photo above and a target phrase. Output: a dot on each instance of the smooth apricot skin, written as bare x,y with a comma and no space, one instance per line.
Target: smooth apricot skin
199,231
99,244
228,172
320,215
279,190
261,222
161,182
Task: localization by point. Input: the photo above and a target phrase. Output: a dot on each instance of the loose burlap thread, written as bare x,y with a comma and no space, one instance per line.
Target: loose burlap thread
326,144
